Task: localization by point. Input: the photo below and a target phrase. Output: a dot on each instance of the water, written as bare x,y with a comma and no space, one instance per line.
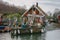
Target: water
5,36
30,37
53,33
50,35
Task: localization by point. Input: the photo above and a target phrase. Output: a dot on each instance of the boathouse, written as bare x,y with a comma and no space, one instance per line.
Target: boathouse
33,18
34,13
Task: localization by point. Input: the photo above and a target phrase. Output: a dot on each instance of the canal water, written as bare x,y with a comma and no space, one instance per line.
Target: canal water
50,35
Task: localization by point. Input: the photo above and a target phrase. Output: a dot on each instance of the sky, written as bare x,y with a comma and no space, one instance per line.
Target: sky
46,5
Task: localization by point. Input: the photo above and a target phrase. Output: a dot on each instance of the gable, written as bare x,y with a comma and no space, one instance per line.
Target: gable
35,9
42,11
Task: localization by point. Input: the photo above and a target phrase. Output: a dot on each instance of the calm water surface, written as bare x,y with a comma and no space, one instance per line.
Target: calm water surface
53,33
50,35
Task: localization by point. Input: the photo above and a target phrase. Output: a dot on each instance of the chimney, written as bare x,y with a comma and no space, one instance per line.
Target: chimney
37,4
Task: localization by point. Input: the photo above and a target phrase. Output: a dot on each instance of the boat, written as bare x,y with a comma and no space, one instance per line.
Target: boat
4,26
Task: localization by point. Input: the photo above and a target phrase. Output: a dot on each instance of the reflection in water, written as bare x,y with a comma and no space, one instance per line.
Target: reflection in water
29,37
50,35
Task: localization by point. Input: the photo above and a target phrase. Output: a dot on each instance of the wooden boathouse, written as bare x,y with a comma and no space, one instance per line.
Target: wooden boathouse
32,20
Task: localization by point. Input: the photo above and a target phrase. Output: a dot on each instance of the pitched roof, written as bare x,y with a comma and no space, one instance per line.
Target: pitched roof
42,10
38,8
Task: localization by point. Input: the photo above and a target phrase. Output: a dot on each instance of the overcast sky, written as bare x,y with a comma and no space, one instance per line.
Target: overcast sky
46,5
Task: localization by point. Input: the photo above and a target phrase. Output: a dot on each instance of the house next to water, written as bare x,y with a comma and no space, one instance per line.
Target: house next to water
35,13
34,17
32,21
